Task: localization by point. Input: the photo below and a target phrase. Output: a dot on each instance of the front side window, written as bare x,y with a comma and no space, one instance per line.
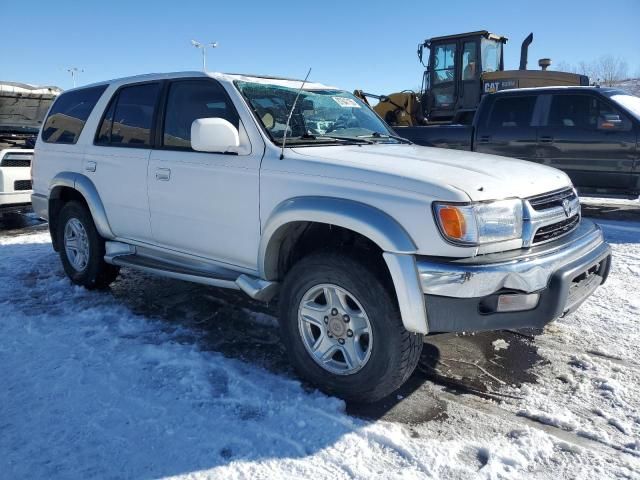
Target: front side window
129,118
189,100
444,63
327,116
585,112
491,54
69,114
512,112
469,61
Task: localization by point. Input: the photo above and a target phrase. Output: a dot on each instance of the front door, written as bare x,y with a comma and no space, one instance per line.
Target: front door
204,204
444,91
470,80
591,140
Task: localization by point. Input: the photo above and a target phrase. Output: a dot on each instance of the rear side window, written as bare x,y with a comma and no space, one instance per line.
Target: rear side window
69,113
129,117
189,100
512,111
585,112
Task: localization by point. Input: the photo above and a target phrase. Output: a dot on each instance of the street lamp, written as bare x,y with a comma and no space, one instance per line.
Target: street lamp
203,47
74,71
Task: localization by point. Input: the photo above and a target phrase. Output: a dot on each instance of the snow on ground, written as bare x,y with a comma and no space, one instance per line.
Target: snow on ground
91,390
591,381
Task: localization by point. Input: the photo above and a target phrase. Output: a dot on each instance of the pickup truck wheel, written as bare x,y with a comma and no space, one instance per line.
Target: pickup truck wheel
82,249
342,329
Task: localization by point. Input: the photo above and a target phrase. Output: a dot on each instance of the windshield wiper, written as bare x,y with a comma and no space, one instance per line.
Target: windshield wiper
310,136
395,137
347,139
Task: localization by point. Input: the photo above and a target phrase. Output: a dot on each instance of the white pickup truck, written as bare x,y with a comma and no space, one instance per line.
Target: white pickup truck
22,110
367,241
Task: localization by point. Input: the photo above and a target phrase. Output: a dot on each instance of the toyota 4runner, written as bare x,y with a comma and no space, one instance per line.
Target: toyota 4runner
294,190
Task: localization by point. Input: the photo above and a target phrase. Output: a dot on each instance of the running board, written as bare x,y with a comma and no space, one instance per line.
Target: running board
125,255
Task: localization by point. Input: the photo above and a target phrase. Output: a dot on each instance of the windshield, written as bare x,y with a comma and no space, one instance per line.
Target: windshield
320,116
630,102
491,53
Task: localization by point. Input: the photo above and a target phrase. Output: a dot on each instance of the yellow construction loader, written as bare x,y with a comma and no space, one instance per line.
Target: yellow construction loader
458,71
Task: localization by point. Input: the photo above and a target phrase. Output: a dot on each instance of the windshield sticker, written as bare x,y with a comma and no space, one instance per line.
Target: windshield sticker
346,102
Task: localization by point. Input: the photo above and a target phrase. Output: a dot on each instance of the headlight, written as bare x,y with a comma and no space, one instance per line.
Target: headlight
479,223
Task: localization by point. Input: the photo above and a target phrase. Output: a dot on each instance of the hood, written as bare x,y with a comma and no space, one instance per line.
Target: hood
480,176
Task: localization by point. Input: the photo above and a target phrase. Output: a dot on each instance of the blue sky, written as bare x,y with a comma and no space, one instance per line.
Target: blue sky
357,44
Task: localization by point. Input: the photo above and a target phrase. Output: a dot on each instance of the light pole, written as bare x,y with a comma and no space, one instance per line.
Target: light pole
74,74
203,47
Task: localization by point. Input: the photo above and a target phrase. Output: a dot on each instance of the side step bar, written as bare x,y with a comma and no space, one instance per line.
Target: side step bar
125,255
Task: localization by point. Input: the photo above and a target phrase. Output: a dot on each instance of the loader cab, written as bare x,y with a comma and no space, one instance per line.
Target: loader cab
452,84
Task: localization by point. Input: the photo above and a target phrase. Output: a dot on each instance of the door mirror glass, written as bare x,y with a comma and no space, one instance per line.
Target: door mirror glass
610,121
214,135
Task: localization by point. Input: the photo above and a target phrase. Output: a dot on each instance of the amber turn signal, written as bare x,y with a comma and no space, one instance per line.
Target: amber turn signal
452,222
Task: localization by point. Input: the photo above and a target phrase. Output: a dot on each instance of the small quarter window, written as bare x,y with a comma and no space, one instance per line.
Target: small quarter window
69,114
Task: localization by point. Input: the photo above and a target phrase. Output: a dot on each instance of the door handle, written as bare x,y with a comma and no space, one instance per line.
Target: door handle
546,139
485,138
163,174
90,166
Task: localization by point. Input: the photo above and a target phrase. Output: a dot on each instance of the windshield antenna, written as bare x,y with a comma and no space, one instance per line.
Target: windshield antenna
293,107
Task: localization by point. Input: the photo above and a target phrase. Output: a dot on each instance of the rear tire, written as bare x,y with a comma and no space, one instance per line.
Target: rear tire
82,249
310,325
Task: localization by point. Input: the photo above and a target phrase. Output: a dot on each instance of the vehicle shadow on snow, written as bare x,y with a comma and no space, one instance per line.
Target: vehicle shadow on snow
227,322
12,224
230,323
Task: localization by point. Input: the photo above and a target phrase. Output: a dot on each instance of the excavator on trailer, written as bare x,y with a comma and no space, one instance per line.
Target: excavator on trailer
459,70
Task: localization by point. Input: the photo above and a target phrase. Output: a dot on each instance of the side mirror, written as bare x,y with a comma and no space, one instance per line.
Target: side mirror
214,135
610,121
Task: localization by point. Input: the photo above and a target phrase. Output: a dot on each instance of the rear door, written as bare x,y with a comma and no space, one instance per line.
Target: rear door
118,161
508,127
590,139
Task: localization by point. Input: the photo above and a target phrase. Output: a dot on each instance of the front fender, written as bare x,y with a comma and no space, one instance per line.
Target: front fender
87,189
371,222
376,225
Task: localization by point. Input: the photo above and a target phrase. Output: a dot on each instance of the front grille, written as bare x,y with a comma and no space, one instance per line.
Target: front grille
552,199
22,185
16,160
555,230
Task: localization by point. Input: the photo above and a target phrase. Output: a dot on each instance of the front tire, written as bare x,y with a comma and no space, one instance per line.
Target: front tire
343,330
82,249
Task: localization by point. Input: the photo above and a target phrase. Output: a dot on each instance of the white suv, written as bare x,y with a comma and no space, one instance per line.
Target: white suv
368,241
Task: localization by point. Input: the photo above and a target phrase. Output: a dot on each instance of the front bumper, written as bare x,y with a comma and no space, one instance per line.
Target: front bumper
15,202
461,295
12,196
